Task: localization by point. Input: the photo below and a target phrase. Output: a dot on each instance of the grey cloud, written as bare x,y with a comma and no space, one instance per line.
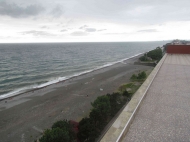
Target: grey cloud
57,11
37,33
14,10
134,11
101,30
87,29
79,33
83,27
44,27
90,29
64,30
124,33
120,11
148,31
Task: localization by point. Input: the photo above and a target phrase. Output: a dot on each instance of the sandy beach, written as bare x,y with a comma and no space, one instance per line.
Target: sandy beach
24,117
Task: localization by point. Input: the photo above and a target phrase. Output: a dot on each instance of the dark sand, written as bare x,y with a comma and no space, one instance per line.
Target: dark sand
24,117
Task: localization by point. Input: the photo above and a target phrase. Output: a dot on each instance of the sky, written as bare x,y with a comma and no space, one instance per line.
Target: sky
93,20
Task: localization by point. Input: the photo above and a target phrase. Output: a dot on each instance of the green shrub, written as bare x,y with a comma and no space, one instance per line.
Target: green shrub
141,75
155,54
115,102
87,131
133,77
102,106
55,135
64,125
127,94
143,58
61,132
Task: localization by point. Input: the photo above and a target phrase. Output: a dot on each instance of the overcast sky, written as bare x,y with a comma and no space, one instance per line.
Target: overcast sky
93,20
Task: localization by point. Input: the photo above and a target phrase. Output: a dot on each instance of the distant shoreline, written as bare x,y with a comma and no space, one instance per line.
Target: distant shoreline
7,96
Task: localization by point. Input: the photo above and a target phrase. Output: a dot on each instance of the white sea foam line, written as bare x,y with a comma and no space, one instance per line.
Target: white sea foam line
22,90
15,92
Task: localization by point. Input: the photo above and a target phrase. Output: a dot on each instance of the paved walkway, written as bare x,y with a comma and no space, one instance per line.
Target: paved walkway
164,115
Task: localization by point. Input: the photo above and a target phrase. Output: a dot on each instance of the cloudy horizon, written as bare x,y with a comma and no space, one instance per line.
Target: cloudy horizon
93,20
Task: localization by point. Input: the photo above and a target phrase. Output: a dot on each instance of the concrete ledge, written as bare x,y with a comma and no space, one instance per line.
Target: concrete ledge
121,125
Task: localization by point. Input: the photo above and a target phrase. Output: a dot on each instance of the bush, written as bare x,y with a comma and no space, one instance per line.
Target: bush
127,95
141,75
62,124
61,131
133,77
87,131
55,135
102,108
143,58
115,102
155,54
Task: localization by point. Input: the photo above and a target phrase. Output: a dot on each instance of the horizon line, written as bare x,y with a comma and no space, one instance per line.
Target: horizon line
81,41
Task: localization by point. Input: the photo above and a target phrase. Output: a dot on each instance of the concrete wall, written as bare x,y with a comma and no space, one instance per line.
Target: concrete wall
178,49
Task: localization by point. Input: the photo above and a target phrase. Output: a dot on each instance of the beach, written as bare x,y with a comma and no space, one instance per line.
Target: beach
24,117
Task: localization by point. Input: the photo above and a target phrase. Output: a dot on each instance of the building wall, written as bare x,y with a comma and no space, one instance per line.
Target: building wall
178,49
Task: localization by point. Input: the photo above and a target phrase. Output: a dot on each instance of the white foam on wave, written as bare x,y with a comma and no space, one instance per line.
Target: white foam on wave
59,79
112,63
13,93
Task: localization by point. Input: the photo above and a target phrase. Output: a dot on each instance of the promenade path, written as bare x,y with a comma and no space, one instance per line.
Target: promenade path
164,115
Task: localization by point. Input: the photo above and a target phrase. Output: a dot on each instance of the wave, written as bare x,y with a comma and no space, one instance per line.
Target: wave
59,79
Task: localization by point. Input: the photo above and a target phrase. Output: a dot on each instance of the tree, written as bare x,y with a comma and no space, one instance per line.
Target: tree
102,106
62,131
64,125
55,135
115,102
143,58
155,54
87,131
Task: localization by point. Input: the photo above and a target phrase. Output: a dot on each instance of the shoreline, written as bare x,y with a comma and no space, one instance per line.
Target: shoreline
24,117
7,96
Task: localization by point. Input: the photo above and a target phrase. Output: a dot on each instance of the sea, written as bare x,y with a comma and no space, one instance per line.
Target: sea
27,66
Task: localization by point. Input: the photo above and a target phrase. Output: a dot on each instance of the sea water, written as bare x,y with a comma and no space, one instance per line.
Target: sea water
26,66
